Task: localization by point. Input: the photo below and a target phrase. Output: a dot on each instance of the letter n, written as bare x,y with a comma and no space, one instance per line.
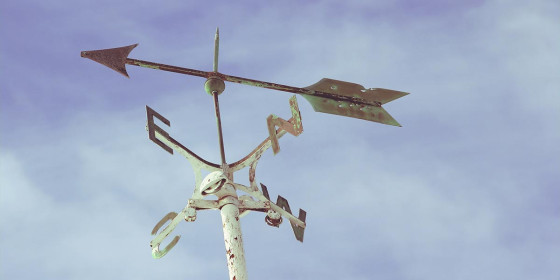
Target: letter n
292,126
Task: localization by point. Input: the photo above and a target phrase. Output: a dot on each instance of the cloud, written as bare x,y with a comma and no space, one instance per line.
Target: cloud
466,189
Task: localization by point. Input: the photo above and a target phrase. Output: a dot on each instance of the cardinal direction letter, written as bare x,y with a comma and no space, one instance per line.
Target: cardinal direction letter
292,126
152,128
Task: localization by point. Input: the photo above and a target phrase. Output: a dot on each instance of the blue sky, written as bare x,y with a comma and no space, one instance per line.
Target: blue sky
468,188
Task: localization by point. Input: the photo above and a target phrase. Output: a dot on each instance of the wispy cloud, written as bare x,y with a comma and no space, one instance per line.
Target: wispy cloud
466,189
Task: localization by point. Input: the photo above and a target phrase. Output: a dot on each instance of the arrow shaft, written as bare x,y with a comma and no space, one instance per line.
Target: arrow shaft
169,68
297,90
257,83
245,81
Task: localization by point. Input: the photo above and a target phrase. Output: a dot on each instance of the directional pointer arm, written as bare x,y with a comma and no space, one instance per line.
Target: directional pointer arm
327,96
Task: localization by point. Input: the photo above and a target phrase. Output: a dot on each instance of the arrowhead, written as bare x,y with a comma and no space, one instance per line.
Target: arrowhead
113,58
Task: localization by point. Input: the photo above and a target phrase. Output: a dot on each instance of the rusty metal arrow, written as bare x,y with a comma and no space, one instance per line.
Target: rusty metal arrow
113,58
326,96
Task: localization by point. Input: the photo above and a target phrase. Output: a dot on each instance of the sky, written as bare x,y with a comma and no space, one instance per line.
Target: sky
468,188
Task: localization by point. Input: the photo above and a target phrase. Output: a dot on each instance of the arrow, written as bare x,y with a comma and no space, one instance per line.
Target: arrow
327,96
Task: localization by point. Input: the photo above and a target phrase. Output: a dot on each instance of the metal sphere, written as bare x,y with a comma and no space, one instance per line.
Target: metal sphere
214,85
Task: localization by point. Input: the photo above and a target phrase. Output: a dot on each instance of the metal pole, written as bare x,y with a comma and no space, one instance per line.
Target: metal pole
216,87
233,240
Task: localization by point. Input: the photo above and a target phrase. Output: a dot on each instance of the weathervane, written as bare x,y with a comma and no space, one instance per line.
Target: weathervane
327,96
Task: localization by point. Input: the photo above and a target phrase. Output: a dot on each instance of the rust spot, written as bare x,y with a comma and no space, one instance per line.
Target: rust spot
231,256
251,174
237,218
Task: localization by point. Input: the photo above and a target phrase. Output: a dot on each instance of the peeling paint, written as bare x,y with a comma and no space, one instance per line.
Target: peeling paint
147,65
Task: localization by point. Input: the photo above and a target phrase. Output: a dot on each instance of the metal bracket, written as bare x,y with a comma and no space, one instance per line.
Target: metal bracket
263,203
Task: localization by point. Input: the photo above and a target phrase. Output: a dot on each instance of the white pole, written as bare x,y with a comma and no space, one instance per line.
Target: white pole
232,235
233,240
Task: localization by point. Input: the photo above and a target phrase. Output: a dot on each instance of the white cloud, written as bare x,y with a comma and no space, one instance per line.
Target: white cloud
464,190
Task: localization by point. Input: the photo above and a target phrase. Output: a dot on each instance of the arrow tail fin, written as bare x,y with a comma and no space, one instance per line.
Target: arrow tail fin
355,100
352,90
350,109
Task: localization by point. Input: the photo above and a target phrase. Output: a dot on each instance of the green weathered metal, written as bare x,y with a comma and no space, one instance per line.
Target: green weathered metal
293,126
216,49
351,109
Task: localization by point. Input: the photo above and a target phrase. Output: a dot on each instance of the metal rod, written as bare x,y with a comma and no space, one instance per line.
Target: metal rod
246,81
216,48
204,74
233,240
168,68
219,123
216,104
